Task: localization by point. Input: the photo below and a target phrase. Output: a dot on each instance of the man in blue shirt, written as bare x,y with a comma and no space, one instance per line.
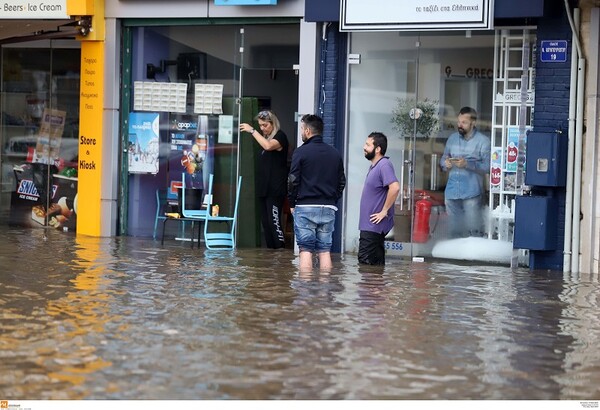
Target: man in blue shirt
467,160
377,201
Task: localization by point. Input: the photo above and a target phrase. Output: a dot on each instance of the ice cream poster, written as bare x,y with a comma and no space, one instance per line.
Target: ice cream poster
143,142
512,148
496,170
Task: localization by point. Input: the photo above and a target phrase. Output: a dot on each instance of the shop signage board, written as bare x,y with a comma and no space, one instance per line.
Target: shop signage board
514,97
91,138
34,9
553,51
394,15
245,2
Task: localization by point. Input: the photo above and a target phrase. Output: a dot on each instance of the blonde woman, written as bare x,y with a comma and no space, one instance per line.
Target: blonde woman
272,175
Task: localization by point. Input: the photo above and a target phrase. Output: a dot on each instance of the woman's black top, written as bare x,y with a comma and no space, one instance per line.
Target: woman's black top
273,169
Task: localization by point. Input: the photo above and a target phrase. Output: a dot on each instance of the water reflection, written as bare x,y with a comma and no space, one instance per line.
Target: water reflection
90,318
579,321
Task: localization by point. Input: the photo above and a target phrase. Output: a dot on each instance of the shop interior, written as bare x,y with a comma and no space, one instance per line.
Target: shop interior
226,75
39,133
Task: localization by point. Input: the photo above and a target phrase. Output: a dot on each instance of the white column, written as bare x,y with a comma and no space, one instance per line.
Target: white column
590,207
307,81
110,151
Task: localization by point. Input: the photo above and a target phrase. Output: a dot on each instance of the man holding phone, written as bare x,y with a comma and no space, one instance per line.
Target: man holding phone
466,158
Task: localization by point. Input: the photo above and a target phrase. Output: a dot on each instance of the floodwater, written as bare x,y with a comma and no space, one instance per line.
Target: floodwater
124,318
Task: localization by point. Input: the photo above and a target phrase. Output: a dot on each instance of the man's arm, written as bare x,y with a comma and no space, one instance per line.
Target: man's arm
481,165
393,191
445,162
293,181
390,199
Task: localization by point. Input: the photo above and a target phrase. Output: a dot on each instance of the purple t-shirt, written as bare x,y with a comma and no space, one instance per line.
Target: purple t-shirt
374,193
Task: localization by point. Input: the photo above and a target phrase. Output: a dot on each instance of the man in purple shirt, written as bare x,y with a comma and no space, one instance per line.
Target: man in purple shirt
377,201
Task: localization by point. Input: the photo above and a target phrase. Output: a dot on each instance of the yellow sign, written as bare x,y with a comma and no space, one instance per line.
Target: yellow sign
90,137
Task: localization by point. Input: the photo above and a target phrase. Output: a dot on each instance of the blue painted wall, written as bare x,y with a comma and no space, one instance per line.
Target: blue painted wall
330,98
551,113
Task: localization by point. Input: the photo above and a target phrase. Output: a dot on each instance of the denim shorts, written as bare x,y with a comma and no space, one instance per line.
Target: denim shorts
313,227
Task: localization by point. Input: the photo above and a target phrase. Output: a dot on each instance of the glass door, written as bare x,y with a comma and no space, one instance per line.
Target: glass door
411,87
39,133
269,84
179,123
383,89
228,74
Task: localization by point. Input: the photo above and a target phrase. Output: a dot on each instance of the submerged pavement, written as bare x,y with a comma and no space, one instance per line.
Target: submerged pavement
125,318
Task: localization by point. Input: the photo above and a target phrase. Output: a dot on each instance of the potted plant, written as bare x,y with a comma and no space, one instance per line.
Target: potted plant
425,112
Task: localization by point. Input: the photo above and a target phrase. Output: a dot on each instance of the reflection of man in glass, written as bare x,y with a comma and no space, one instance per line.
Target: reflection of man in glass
377,201
467,159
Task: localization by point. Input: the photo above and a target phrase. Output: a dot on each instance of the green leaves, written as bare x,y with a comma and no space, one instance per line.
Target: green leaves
403,117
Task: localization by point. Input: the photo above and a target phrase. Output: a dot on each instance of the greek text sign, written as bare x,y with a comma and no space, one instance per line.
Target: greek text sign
33,9
553,51
91,141
514,96
394,15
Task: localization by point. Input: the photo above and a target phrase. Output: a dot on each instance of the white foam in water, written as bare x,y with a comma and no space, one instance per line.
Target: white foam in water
474,249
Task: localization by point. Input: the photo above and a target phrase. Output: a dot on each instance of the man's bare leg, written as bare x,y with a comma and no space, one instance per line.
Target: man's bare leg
306,262
325,261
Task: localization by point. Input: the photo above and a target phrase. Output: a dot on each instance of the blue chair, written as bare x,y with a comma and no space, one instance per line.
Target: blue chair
192,215
223,239
197,213
161,208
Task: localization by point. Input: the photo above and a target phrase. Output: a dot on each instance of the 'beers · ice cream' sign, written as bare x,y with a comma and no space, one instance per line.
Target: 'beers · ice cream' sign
33,9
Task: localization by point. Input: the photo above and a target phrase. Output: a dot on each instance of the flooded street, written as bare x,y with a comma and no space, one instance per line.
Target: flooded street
124,318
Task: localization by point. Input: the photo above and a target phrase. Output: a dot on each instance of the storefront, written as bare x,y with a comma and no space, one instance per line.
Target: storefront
39,128
433,70
188,84
128,92
216,76
292,57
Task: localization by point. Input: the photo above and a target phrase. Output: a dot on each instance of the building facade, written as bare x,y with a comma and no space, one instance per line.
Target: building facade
518,89
231,61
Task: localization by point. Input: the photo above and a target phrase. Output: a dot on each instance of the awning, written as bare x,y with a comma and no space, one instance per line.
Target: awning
17,30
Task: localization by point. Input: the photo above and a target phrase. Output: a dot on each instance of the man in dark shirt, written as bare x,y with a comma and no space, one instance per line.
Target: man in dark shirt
315,184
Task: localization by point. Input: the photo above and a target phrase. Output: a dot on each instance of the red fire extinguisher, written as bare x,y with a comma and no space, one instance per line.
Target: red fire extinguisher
422,214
